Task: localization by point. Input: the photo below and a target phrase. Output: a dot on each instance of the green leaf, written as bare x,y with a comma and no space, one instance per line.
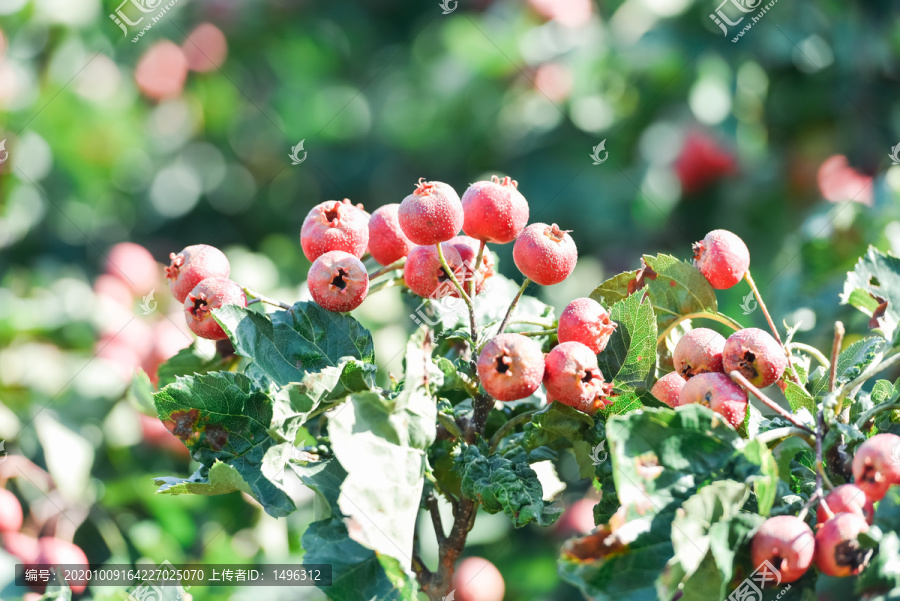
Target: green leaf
140,392
381,444
661,456
873,287
852,361
675,287
288,345
758,467
222,416
799,398
220,479
504,483
359,572
186,362
629,356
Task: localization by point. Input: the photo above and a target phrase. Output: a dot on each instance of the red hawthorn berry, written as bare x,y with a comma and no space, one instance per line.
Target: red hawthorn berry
702,161
846,498
876,465
424,275
193,265
11,511
134,266
468,251
756,355
495,211
334,225
838,552
722,258
787,543
668,389
432,213
210,294
56,552
387,242
572,377
338,281
545,254
719,393
585,320
511,367
477,579
699,351
21,546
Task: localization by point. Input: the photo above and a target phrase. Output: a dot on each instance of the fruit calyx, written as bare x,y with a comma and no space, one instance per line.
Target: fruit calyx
506,181
175,266
200,308
423,188
698,249
556,234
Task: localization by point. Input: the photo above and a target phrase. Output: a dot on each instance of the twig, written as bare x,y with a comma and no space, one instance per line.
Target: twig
259,298
811,350
736,375
820,464
450,425
865,417
434,511
538,332
500,434
462,293
835,353
512,306
699,315
479,257
546,323
774,434
398,281
765,310
399,263
889,360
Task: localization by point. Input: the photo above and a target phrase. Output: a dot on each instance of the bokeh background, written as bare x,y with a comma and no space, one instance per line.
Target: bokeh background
182,135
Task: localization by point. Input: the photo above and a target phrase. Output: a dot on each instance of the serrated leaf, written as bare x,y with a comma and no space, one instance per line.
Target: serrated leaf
359,572
629,356
187,362
873,287
221,416
288,345
140,392
504,483
852,361
220,479
675,287
798,397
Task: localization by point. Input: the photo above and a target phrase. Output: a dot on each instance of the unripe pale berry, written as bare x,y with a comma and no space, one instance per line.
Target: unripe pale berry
338,281
545,254
210,294
387,242
334,225
511,367
876,465
838,552
56,552
424,275
846,498
468,251
477,579
431,214
719,393
668,389
585,320
756,355
134,265
722,258
787,543
193,265
572,377
699,351
495,211
11,511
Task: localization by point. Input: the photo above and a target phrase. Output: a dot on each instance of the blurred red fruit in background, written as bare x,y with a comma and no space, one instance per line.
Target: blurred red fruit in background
702,161
161,72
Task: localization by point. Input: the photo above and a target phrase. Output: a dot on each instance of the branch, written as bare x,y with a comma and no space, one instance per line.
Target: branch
432,504
398,281
538,332
736,375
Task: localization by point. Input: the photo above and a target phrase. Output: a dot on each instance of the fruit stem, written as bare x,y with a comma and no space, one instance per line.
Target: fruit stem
887,361
538,332
765,310
462,293
701,315
398,281
259,298
737,376
450,425
775,434
820,464
478,259
549,323
512,306
865,417
500,434
399,263
812,351
835,353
